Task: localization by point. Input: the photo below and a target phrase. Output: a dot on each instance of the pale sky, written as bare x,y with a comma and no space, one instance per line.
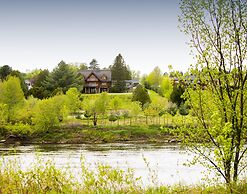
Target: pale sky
41,33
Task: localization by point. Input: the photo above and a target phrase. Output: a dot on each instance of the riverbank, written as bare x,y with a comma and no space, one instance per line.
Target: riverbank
75,133
45,177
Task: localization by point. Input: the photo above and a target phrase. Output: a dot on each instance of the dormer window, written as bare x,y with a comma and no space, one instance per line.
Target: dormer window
103,77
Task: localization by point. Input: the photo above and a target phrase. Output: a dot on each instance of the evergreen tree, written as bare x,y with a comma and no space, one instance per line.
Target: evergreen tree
64,77
38,90
93,65
5,71
141,94
120,72
176,94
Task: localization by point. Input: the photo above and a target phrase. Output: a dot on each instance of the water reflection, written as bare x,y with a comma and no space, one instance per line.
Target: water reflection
167,159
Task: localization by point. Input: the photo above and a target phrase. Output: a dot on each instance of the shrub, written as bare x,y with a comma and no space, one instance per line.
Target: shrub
113,117
172,109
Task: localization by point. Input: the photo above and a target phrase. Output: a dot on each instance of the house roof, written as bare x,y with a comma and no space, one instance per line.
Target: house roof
98,73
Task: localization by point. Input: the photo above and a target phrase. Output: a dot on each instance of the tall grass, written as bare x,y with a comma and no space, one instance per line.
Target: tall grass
45,177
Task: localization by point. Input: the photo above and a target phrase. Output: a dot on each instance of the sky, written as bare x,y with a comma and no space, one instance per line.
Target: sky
38,34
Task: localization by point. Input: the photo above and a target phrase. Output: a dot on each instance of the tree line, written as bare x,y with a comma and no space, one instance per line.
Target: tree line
64,76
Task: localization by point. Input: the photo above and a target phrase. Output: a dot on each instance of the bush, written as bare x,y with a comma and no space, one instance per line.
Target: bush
113,117
19,129
141,94
183,109
172,109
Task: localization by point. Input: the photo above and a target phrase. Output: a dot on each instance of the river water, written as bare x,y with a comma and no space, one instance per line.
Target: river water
165,161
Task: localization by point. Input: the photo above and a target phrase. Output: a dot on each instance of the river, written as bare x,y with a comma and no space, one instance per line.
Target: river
166,161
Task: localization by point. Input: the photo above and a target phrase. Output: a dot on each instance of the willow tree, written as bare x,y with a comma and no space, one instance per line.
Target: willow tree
218,96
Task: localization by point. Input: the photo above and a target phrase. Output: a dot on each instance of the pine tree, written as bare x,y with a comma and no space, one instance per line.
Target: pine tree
93,65
120,72
62,77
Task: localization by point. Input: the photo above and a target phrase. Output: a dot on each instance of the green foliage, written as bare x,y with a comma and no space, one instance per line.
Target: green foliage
96,106
183,109
93,65
44,177
5,71
22,81
218,94
3,113
145,83
74,102
154,79
116,103
120,72
64,77
141,95
172,109
113,117
119,86
176,95
19,129
38,77
49,112
25,114
12,96
134,109
166,87
158,102
151,110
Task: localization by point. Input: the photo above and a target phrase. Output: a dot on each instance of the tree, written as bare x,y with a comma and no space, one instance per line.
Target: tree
136,75
22,81
141,94
172,108
3,114
151,111
93,65
38,89
64,77
49,112
120,72
154,79
218,32
96,106
5,71
12,96
176,95
166,86
74,102
115,103
134,109
183,109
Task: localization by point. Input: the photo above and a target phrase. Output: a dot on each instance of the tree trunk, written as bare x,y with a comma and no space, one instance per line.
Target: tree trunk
94,119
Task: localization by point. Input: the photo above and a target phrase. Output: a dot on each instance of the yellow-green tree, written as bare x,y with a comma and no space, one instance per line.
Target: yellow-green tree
166,86
12,96
73,98
96,106
218,32
49,112
154,79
